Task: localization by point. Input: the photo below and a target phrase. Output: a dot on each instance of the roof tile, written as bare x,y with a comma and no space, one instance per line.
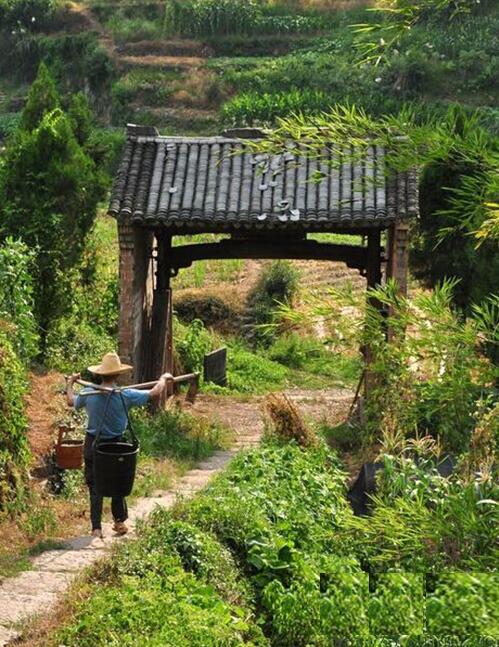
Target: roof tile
207,184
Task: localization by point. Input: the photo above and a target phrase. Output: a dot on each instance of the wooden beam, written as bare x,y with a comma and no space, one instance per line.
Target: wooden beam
353,255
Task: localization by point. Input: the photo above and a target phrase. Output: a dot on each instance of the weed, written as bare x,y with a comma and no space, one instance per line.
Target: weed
179,435
39,520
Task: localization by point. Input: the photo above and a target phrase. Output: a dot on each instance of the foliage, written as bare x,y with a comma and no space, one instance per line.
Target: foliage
274,536
78,62
42,99
464,605
247,109
396,606
26,15
50,188
164,605
454,191
16,298
398,17
14,450
277,283
424,522
193,346
73,344
428,381
9,123
274,508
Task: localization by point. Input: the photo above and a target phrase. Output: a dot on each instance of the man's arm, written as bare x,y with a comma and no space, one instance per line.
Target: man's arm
70,394
157,391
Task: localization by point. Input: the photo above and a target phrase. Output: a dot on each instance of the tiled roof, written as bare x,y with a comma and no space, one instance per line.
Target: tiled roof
219,184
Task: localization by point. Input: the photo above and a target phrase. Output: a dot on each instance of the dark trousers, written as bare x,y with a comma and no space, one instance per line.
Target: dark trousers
118,503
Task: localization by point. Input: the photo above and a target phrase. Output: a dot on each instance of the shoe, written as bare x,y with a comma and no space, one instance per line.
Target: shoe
97,533
120,528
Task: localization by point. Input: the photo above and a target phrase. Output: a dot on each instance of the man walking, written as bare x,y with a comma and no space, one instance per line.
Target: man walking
112,426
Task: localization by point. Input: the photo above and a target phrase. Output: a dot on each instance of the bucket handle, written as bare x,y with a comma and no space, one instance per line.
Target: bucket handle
64,430
101,425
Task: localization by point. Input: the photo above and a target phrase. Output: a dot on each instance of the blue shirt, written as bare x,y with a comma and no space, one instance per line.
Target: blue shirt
116,419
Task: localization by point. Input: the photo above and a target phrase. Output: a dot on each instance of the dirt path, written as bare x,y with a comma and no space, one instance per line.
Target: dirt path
36,592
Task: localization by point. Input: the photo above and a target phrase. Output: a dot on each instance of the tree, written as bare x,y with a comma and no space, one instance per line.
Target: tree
42,98
49,190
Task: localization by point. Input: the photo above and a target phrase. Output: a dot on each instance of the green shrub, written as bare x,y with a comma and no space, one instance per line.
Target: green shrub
396,606
192,345
16,297
73,344
249,108
464,605
438,394
277,509
277,284
14,449
49,188
9,123
165,610
200,553
454,189
423,522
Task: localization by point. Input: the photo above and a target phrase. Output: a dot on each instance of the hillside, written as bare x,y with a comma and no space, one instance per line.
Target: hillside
139,62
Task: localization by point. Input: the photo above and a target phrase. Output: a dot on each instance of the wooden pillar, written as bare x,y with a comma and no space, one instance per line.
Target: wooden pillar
398,255
160,344
135,294
373,274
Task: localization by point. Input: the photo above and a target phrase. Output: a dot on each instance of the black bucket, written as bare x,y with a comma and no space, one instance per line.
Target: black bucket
114,467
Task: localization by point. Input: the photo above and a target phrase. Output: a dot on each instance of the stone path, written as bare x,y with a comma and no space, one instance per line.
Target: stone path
35,592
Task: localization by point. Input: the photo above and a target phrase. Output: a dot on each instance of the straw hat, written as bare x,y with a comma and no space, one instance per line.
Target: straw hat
110,365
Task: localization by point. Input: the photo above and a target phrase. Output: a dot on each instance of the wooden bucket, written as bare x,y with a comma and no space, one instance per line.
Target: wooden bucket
68,453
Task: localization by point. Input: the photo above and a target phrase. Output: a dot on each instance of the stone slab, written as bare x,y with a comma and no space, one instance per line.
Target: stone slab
15,607
35,583
66,561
